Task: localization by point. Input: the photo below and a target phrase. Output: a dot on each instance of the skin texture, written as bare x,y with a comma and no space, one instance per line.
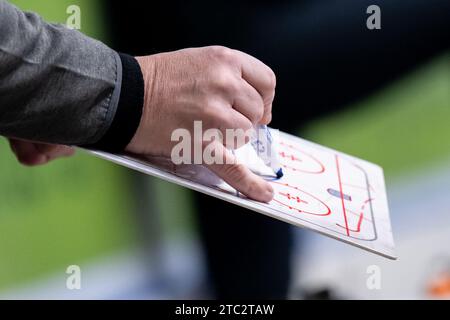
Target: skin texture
221,87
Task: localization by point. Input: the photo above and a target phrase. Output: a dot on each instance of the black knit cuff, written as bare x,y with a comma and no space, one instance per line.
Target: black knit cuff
129,110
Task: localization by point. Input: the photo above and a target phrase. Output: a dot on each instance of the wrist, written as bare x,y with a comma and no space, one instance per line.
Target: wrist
128,111
147,68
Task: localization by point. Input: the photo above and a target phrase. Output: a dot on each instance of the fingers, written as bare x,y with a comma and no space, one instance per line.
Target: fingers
238,131
235,128
26,153
33,154
249,103
262,78
240,177
52,151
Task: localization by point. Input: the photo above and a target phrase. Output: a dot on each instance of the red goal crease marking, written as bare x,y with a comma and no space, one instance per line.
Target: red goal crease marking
342,193
358,225
361,217
298,198
293,158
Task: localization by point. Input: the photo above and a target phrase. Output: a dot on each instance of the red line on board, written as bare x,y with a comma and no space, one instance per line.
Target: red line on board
303,153
361,217
342,194
358,226
301,191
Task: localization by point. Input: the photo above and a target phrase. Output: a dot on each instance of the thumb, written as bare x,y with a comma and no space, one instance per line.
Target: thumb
240,177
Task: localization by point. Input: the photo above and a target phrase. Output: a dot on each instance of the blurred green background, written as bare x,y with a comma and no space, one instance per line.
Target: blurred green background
69,211
80,209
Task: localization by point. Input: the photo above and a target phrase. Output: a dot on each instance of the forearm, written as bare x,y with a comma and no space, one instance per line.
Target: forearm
59,86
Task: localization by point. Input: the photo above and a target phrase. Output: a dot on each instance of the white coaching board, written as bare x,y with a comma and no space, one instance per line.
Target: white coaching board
324,190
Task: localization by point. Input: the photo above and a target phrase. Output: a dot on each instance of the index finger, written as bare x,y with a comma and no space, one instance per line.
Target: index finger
260,77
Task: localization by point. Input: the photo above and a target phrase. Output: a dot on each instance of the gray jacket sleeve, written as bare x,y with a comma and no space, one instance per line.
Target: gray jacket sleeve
56,85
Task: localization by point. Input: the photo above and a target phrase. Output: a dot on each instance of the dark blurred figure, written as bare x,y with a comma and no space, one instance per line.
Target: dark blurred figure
324,57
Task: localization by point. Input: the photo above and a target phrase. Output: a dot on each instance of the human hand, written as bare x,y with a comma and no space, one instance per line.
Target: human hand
34,153
222,88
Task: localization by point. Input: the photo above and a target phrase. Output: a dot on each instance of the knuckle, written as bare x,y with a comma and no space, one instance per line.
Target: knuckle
216,115
236,172
210,111
272,79
213,106
221,52
224,81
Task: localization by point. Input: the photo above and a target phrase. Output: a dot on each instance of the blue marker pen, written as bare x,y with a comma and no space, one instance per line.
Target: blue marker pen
265,147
